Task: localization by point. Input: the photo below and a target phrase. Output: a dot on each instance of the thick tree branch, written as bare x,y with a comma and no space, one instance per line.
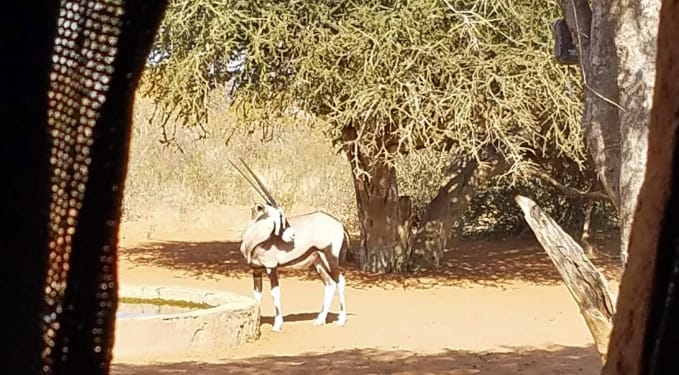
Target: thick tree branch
568,191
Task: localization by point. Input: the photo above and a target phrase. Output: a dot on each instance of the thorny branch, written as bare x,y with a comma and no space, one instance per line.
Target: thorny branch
406,71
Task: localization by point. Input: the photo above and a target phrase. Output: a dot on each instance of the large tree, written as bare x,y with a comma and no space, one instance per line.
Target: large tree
616,48
384,78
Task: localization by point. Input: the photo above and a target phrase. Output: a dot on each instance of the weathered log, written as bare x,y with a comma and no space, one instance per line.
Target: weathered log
586,284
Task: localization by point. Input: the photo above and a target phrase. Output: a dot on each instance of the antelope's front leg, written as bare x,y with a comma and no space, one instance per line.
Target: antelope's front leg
276,295
257,285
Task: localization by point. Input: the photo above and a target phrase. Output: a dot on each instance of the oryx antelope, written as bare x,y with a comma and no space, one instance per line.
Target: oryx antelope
272,241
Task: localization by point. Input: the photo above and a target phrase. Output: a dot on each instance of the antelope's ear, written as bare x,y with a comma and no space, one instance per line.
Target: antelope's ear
256,210
256,233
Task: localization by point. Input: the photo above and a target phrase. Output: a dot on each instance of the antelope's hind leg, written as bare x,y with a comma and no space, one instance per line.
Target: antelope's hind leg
336,274
342,316
329,292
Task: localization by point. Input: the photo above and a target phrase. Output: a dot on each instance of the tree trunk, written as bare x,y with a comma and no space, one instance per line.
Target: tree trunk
598,61
636,27
616,43
587,285
384,222
449,204
645,330
587,228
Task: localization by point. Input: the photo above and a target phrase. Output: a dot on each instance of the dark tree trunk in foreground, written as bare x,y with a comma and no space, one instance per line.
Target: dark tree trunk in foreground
645,337
449,204
587,285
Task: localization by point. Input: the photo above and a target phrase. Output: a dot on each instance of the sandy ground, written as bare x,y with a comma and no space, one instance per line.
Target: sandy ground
496,308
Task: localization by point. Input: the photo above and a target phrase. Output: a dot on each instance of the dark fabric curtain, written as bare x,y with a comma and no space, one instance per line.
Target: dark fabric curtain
68,77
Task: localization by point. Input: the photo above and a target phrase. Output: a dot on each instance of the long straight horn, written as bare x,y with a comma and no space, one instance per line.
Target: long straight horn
253,184
261,185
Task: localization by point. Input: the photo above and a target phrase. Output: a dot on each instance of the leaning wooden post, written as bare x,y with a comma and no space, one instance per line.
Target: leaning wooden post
586,284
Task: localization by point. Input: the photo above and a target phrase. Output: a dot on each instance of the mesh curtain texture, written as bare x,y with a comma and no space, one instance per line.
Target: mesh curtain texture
68,77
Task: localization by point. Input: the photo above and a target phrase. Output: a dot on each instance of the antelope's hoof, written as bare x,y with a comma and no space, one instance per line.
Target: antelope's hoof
319,321
277,325
341,320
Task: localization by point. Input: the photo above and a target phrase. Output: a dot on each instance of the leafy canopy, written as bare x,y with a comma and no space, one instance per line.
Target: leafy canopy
400,74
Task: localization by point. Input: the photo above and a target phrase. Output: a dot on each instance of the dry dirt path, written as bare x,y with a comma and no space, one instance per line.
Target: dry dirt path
496,309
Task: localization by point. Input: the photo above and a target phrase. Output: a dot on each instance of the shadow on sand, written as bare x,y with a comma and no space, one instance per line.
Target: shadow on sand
563,360
481,262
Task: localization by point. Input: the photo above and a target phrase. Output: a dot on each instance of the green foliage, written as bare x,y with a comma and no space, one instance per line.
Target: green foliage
401,74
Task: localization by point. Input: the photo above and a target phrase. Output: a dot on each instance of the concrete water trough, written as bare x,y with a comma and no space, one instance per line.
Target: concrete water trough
181,322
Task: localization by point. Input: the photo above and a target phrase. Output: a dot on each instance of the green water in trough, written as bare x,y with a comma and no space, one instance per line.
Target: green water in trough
138,307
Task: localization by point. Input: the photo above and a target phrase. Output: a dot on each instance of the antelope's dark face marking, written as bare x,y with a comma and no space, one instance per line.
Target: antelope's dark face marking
281,227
